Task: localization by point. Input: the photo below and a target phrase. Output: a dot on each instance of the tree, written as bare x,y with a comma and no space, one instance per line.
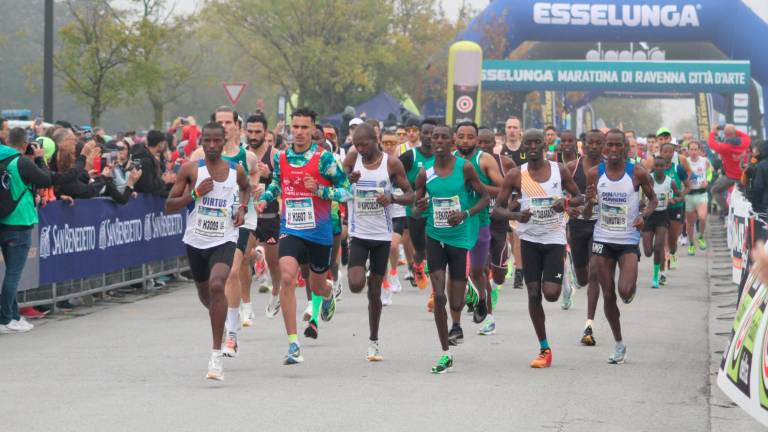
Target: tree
94,55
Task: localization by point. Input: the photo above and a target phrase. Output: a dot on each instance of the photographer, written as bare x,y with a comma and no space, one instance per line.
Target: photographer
730,151
147,158
18,215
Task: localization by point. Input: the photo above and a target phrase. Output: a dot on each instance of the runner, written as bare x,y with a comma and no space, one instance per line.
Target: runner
655,227
268,228
540,183
487,170
373,175
512,150
580,230
451,232
677,168
566,153
614,186
399,221
215,186
696,199
307,179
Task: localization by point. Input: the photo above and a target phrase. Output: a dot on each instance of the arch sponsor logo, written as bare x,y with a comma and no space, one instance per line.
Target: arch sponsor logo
626,15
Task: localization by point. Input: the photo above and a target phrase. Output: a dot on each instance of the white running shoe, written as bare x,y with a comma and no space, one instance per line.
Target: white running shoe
682,240
14,327
386,296
216,367
374,353
307,312
337,289
246,315
567,297
22,322
394,283
230,348
273,307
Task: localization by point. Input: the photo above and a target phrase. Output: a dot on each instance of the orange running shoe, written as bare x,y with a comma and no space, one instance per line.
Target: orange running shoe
300,282
543,360
420,276
431,303
385,283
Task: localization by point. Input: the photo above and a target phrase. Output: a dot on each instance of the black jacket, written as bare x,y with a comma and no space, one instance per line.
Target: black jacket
151,181
757,186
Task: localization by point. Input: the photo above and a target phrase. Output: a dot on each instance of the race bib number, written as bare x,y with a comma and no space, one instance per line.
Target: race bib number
366,204
613,217
442,208
542,212
662,200
299,213
211,221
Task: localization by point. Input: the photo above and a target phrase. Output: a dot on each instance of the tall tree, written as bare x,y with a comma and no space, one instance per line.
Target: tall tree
94,54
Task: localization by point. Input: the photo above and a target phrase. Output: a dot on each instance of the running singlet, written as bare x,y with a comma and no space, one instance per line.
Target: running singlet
304,214
367,218
699,172
516,155
580,178
484,217
241,159
546,225
618,206
447,195
209,223
663,191
419,161
272,206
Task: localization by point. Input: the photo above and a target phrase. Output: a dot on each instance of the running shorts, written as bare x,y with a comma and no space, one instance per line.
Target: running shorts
694,199
657,219
417,228
268,230
614,251
676,214
362,250
499,246
542,262
304,251
399,224
478,255
201,261
440,255
580,239
242,238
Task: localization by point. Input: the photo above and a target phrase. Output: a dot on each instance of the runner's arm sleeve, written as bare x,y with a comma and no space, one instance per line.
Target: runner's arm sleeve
273,189
330,169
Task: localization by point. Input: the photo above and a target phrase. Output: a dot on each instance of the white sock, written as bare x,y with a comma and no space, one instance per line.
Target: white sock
233,319
589,323
620,345
246,306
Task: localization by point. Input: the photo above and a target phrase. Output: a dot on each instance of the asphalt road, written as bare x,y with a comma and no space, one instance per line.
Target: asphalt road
140,366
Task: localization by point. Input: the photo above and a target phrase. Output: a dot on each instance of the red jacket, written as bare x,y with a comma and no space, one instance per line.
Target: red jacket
730,154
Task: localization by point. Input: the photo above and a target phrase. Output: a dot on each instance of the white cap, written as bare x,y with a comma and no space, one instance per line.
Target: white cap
355,121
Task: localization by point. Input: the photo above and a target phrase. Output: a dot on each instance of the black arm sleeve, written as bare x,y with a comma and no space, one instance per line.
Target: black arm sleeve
407,160
39,176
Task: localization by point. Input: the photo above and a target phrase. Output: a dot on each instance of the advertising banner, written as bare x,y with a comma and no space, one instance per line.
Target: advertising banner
627,76
98,236
738,232
463,96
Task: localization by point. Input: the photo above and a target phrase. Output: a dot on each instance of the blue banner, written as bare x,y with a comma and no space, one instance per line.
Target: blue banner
99,236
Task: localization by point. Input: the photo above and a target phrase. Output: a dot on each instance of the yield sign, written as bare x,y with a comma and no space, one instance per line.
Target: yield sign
234,90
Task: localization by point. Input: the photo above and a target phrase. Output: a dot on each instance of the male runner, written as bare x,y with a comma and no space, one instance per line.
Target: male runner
268,228
565,153
655,227
213,187
696,198
677,168
512,150
390,145
542,232
580,230
373,175
307,178
489,174
451,231
614,186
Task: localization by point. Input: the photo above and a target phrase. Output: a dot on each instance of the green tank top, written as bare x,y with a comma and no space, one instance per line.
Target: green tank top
241,159
672,173
484,217
419,161
25,213
446,195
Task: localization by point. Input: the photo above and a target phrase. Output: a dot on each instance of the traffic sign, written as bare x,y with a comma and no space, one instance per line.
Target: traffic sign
234,90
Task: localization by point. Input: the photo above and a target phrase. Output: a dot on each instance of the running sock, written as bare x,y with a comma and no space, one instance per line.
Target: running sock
544,344
292,338
589,323
656,270
246,306
620,345
317,302
233,318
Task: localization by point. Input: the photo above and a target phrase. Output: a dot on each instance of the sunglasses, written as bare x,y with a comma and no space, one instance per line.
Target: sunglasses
412,129
389,143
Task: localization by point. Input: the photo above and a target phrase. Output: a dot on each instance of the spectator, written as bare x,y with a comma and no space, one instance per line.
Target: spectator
3,130
730,151
757,184
24,174
147,156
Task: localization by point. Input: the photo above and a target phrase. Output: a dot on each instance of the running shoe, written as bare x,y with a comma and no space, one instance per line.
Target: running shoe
216,367
311,330
32,313
374,353
543,360
588,339
471,299
488,328
300,283
410,278
394,283
420,276
294,354
337,289
691,250
662,279
273,307
702,243
566,301
307,312
654,282
494,296
683,240
672,261
518,284
481,311
431,302
386,296
619,356
230,348
444,364
510,270
328,308
455,336
246,315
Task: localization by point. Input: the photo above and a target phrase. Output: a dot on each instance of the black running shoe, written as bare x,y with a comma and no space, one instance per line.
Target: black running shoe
481,311
518,279
588,339
455,336
311,330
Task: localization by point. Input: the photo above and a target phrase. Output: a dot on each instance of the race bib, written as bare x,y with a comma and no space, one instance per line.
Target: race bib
211,221
613,217
365,202
662,196
542,212
442,208
299,213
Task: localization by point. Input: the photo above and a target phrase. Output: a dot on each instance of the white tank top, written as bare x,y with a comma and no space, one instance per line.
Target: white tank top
367,218
397,210
546,226
698,172
618,206
663,191
210,223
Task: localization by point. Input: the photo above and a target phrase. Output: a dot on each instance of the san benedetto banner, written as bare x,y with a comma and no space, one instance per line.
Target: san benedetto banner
634,76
